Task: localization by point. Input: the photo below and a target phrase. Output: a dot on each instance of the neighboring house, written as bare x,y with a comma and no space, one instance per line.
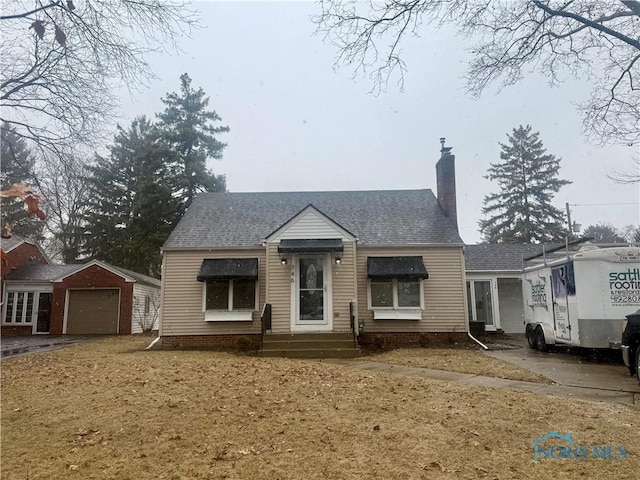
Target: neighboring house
93,298
385,263
16,251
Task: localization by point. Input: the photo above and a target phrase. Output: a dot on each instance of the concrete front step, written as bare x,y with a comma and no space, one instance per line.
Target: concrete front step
309,345
296,344
308,336
311,353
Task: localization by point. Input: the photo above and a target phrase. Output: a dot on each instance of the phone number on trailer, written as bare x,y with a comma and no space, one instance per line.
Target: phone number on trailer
625,298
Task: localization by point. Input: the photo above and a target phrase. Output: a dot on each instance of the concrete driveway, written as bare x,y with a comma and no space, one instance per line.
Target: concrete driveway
570,367
19,346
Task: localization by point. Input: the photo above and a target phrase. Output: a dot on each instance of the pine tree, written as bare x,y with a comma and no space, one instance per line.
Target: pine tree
132,210
188,127
17,164
528,178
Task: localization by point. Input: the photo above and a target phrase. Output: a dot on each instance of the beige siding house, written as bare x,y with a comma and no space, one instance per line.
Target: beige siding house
294,266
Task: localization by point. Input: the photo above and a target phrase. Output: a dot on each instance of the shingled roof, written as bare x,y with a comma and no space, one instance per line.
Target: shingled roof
50,273
499,257
508,257
385,217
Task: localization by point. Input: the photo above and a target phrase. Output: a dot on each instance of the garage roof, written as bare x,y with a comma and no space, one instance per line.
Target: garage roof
52,273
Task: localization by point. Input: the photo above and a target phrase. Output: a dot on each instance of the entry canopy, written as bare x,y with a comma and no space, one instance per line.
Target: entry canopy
228,269
402,268
321,245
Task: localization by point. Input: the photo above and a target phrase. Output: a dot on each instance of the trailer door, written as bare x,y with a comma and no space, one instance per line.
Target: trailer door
562,286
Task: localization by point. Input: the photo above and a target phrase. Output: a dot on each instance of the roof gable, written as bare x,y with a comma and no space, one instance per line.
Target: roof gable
97,263
8,244
245,220
309,223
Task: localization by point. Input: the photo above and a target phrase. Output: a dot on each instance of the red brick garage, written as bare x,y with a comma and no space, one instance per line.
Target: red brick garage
94,298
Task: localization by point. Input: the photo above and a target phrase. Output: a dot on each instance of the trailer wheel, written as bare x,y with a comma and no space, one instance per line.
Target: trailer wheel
531,337
540,343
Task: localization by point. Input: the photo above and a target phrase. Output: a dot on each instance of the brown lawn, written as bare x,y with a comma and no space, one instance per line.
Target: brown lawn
457,360
108,410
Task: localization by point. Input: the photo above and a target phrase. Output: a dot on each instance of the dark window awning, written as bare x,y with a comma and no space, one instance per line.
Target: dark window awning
320,245
228,269
403,268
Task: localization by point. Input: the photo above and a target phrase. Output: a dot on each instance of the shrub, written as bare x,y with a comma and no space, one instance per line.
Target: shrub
243,344
379,342
423,340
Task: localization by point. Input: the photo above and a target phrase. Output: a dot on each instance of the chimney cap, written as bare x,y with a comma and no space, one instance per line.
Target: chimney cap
444,150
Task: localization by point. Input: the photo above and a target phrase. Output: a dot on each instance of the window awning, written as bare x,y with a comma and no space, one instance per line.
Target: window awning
403,268
320,245
228,268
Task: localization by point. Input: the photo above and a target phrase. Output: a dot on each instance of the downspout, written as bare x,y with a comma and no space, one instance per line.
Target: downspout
155,340
475,339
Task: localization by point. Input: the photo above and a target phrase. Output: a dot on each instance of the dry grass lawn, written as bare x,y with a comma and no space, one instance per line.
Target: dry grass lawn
457,360
108,410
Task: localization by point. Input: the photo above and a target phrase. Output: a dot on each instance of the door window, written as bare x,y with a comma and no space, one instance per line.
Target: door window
311,289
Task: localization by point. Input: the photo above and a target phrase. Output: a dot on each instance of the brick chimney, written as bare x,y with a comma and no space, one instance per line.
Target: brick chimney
446,182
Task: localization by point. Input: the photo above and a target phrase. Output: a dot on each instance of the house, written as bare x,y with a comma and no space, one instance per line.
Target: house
385,264
16,251
90,298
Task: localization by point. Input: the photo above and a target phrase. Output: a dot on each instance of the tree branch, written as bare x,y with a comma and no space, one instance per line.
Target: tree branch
596,26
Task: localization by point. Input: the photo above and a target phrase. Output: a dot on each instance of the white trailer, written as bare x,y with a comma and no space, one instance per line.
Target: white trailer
581,299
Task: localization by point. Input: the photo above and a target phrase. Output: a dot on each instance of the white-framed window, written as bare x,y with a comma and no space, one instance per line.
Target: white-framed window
147,304
19,308
393,298
229,300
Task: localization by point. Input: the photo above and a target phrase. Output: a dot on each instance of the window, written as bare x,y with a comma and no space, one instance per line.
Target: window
20,307
395,293
396,287
228,300
147,304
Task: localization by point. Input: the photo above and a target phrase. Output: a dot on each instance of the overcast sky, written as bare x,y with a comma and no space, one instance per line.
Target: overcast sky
297,124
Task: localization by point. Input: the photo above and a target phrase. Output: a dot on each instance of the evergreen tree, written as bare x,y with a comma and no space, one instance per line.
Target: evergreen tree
17,165
188,127
132,209
521,212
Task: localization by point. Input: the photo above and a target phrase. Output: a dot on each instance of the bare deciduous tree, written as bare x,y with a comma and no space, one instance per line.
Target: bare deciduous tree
146,312
63,181
594,38
62,61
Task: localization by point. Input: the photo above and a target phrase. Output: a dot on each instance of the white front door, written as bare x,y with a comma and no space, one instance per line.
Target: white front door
311,293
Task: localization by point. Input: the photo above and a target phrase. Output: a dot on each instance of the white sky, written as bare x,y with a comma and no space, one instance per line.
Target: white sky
297,125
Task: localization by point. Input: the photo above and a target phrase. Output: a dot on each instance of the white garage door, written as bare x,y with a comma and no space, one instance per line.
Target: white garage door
93,312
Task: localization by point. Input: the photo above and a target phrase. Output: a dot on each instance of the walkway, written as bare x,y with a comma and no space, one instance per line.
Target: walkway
585,393
19,346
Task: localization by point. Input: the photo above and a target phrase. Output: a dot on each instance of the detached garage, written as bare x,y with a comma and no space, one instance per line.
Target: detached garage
90,299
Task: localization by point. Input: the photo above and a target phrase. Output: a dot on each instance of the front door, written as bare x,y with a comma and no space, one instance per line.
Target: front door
43,320
312,293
